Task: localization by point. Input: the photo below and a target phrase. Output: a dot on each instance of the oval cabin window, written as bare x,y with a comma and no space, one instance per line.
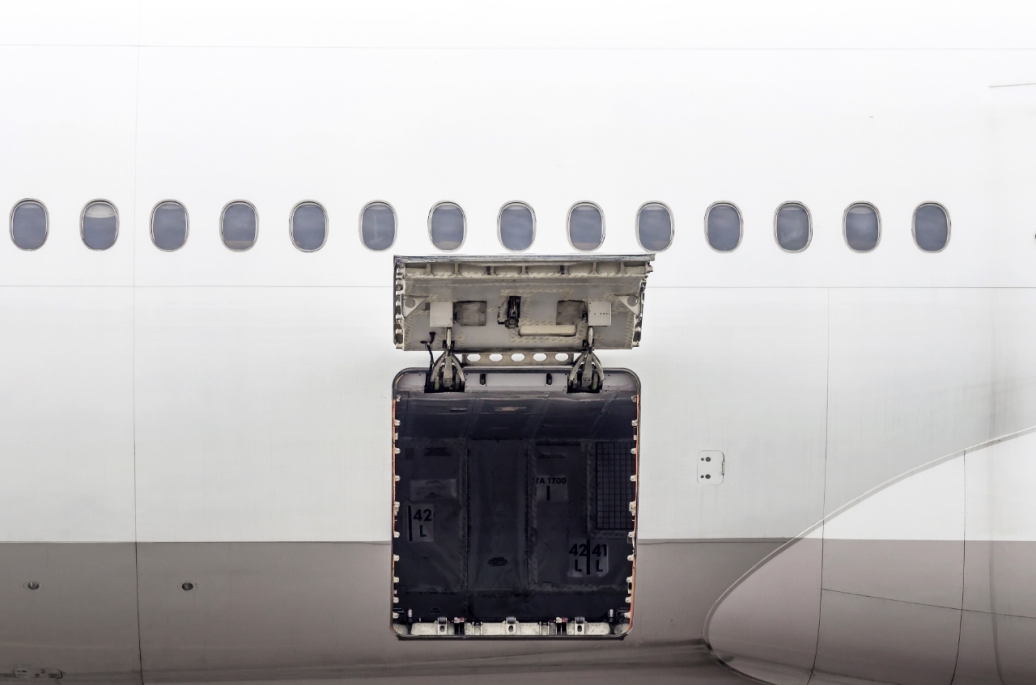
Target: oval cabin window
447,225
169,225
99,225
793,227
654,227
723,227
585,226
517,226
239,226
29,224
308,226
862,227
931,227
378,226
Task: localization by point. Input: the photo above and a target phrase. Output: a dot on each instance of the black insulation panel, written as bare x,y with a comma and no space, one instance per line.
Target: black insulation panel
514,506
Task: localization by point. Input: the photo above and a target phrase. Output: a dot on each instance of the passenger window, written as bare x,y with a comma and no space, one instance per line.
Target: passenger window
585,226
239,226
447,226
723,226
29,224
308,226
378,226
169,225
99,225
793,227
517,226
862,227
654,227
931,227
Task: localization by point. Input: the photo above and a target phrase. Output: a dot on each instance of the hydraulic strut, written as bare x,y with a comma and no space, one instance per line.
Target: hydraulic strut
587,374
445,374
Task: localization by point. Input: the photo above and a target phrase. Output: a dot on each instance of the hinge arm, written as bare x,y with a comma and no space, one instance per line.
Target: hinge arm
587,374
446,373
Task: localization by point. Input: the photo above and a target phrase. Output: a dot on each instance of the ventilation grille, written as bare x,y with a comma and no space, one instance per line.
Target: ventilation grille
614,465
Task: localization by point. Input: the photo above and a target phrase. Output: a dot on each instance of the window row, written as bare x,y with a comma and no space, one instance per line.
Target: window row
793,226
447,226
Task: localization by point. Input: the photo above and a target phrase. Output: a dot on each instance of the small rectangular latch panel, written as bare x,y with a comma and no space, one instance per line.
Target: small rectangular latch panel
710,467
599,313
440,314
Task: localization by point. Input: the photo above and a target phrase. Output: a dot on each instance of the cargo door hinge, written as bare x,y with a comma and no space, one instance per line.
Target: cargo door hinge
445,374
587,374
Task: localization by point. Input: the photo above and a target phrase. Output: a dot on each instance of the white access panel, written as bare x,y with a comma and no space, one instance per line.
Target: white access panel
1014,360
742,371
66,414
892,404
264,414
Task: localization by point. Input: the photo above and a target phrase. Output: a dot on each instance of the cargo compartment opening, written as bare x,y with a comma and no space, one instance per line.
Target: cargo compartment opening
514,507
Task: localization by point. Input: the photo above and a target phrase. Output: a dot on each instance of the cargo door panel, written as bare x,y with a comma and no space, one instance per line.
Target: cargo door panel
519,304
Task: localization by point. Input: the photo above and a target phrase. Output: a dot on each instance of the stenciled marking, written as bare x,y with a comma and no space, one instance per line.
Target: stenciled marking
420,523
587,558
551,488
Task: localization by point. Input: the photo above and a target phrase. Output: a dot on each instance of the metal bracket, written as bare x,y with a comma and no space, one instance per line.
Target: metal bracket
445,374
409,304
587,374
633,303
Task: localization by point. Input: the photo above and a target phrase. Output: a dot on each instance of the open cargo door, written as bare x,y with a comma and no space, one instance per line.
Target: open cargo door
522,310
515,452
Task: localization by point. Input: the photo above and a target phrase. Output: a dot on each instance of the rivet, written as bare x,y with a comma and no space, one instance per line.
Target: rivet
33,585
187,587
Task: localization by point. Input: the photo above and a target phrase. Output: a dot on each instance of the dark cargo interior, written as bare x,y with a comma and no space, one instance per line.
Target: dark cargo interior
514,500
